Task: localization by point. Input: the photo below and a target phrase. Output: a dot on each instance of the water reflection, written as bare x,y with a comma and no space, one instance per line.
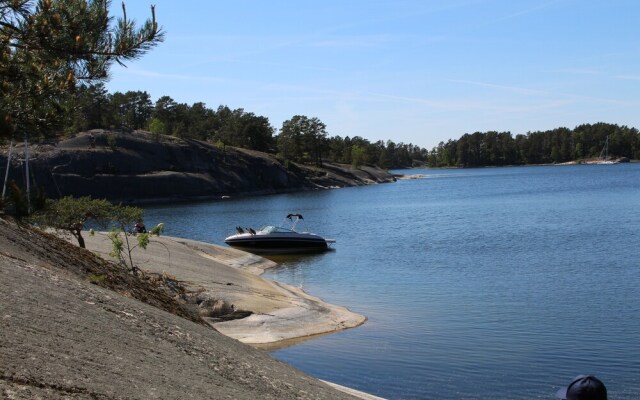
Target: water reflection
295,260
294,269
284,344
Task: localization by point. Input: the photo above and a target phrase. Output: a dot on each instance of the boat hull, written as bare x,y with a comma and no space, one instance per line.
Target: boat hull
264,244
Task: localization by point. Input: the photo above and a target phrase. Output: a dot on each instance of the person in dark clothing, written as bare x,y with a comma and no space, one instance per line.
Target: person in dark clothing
139,227
584,387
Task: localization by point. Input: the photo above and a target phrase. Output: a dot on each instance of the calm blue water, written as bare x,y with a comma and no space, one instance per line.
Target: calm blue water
497,283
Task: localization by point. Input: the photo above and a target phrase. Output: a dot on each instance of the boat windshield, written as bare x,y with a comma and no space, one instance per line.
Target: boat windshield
274,229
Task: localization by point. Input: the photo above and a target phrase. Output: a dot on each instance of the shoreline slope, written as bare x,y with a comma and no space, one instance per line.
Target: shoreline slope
230,278
66,336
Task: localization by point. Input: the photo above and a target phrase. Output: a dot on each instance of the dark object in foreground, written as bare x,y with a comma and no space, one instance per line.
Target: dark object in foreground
584,387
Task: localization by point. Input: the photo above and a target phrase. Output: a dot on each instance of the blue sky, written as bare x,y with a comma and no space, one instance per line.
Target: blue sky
413,71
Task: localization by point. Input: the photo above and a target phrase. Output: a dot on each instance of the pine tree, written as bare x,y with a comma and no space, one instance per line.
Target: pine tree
48,46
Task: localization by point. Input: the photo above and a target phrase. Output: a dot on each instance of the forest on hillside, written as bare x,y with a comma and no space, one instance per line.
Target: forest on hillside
305,139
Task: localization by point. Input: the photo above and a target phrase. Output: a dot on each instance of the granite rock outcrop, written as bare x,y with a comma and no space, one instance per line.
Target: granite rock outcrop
137,167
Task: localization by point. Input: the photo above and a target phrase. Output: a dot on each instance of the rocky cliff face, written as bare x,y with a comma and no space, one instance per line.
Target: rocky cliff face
135,168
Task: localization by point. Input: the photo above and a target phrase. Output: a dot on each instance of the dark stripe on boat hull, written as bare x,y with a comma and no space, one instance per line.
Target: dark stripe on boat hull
278,245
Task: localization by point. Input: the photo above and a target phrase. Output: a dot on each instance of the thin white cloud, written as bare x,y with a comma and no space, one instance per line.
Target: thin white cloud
513,89
183,77
555,99
463,105
368,41
537,92
440,104
580,71
524,12
629,77
373,41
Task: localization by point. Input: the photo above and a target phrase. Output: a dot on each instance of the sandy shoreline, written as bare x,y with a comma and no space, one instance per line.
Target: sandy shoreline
281,313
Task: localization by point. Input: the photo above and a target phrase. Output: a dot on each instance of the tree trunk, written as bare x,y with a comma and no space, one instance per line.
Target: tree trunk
78,235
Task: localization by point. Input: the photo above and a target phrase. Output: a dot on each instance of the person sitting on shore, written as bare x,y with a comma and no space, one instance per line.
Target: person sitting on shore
584,387
139,227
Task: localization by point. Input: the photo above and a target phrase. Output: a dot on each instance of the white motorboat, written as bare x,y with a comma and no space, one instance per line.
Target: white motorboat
278,240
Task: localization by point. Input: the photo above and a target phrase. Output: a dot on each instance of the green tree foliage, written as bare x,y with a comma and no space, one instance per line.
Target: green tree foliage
230,127
242,129
358,151
121,238
88,108
199,121
289,140
256,133
48,46
164,113
358,155
157,128
130,110
553,146
315,138
303,139
70,215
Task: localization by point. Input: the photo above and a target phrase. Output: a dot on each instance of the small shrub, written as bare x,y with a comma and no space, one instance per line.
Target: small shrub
111,140
97,279
156,128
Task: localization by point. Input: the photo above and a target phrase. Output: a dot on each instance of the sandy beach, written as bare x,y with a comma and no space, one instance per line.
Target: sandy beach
280,313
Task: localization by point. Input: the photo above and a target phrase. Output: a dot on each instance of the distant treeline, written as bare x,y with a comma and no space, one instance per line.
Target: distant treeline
553,146
305,139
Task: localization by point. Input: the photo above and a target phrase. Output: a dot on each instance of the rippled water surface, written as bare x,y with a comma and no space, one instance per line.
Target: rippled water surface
497,283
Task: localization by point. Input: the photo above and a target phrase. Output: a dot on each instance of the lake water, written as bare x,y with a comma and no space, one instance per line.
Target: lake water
495,283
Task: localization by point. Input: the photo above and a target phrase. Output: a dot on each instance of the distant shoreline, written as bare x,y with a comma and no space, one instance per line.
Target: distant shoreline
580,162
